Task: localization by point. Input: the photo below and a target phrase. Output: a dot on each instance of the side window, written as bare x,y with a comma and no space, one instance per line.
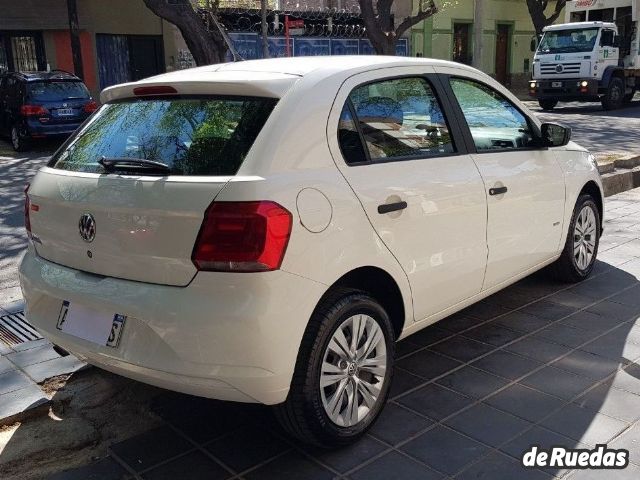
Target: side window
349,138
399,118
495,123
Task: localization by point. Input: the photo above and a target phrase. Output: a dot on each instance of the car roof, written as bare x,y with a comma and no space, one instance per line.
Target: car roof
43,76
269,77
568,26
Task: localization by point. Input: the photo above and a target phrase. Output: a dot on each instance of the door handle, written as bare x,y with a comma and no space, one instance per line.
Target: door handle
498,190
391,207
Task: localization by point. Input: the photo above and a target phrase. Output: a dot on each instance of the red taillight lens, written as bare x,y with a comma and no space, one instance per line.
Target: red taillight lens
242,237
90,107
155,90
33,110
27,207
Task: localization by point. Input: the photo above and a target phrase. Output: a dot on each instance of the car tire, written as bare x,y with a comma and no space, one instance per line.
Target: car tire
18,142
581,248
628,98
614,97
547,105
321,415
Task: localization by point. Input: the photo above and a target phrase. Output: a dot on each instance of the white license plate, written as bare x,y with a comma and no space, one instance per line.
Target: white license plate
556,84
100,327
65,111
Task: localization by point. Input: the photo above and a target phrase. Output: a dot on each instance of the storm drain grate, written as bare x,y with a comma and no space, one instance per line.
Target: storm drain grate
15,329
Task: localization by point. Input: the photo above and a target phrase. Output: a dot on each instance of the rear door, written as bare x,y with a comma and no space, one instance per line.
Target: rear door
131,222
418,186
524,183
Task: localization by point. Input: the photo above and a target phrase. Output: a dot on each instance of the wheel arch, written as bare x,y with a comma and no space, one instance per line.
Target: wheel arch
611,72
591,188
380,285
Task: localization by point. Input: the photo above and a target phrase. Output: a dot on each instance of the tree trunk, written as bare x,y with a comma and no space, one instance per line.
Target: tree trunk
265,29
74,33
206,45
478,32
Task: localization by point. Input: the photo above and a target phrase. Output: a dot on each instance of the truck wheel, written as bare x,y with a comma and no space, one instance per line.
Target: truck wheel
629,98
615,95
548,105
343,372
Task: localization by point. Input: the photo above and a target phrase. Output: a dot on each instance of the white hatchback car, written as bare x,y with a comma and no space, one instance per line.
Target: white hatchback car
264,231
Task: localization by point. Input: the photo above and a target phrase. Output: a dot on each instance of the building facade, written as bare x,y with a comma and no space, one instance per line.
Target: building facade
507,35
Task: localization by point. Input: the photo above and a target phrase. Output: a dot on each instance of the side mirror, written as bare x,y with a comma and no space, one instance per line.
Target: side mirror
534,44
607,38
554,135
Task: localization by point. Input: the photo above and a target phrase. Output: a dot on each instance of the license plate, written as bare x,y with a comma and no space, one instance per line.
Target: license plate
99,327
556,84
65,111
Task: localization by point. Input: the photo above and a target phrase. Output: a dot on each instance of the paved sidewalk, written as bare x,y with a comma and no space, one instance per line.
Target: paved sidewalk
539,363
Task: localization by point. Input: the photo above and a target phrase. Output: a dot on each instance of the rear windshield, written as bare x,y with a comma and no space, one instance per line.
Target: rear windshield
55,91
193,136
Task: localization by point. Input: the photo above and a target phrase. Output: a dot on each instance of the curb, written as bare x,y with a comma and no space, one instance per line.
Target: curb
620,180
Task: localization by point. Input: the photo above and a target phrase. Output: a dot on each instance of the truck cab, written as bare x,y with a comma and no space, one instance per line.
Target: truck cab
586,61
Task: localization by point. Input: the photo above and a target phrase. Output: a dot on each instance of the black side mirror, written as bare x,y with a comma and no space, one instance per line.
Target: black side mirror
534,44
554,135
607,38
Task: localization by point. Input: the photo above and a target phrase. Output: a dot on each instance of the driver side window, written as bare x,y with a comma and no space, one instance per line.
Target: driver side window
495,123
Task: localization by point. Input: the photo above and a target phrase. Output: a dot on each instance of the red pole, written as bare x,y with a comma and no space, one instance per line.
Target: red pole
286,34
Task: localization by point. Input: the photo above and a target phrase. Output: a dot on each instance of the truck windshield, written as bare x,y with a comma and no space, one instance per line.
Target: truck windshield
568,41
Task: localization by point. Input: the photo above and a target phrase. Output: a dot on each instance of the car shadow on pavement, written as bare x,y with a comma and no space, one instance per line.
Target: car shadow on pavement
538,363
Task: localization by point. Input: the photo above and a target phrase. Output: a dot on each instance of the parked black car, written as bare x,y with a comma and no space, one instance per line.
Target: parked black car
37,105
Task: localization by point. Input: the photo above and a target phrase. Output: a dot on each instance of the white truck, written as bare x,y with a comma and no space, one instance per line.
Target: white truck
595,56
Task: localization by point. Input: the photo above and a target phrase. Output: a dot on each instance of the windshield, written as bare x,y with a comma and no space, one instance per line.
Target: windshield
568,41
193,136
56,91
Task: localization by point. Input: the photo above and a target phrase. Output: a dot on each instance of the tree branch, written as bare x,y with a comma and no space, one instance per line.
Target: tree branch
410,21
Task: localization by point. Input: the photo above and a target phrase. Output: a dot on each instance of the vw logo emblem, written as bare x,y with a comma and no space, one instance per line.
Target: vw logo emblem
559,68
87,227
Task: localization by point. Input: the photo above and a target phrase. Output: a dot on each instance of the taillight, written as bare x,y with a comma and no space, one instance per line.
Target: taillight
27,207
33,110
242,237
90,107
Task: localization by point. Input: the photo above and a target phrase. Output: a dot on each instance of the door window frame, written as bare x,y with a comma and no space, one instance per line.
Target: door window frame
447,110
446,78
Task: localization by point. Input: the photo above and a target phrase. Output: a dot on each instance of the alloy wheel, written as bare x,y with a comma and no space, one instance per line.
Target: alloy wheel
15,138
584,238
353,371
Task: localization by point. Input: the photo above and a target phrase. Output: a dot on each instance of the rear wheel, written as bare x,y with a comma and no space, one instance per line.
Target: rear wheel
615,94
548,105
628,98
343,372
581,248
19,142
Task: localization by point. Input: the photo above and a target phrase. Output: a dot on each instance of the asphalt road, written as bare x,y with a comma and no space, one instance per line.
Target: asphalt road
603,133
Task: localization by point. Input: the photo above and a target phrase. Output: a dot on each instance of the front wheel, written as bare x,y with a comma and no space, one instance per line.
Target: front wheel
343,372
614,97
581,248
548,105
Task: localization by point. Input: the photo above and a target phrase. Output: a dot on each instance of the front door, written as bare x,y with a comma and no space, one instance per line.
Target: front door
418,186
524,183
502,54
146,57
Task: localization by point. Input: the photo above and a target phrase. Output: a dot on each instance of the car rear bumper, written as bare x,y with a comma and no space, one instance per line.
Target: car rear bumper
229,336
37,129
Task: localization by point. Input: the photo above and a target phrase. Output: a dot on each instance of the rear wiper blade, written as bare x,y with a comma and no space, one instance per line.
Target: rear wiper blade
111,164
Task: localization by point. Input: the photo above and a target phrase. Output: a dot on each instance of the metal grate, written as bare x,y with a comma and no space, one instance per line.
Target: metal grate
15,329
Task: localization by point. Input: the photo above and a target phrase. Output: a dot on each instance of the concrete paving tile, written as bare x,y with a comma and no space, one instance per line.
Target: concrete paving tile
614,346
13,380
497,466
548,310
584,425
435,401
429,335
291,465
484,311
488,425
396,424
33,356
403,381
461,348
507,365
628,379
629,297
395,465
150,448
524,402
18,401
349,457
193,465
538,436
6,365
587,364
570,299
616,403
591,320
52,368
104,469
445,450
629,440
458,322
493,334
632,472
427,364
566,335
558,382
472,382
615,311
521,322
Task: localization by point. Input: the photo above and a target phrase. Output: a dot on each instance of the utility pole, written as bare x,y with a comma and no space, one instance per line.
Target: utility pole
478,39
74,34
265,29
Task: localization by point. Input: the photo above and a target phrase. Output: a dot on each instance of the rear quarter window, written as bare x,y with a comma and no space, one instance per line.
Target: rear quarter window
192,135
